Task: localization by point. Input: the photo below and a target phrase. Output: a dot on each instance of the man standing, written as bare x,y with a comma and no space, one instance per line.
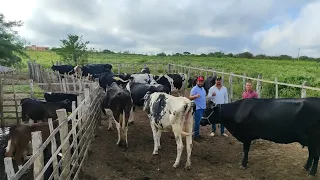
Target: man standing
198,94
249,92
219,95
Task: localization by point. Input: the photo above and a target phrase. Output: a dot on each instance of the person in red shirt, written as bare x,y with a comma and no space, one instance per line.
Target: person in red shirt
249,92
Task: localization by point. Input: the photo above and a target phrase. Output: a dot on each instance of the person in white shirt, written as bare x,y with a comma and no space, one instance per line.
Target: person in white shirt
219,95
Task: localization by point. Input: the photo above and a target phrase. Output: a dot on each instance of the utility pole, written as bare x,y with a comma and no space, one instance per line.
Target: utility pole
298,54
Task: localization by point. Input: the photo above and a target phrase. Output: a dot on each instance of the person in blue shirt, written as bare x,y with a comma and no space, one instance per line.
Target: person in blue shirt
198,94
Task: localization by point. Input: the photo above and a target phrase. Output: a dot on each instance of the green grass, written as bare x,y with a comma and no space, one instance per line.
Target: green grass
288,71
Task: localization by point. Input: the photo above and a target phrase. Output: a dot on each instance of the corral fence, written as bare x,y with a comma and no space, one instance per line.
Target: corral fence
75,141
234,82
16,85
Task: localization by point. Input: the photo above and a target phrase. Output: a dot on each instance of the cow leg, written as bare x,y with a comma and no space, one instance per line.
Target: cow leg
110,123
178,138
246,147
310,160
158,138
189,149
189,144
314,167
131,118
154,133
118,127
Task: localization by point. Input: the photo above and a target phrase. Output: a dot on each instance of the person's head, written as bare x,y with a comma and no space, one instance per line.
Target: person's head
248,85
200,81
218,80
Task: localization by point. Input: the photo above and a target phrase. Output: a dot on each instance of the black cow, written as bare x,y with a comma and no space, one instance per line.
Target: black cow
63,69
282,121
119,101
39,110
175,82
208,83
145,70
95,69
107,78
57,97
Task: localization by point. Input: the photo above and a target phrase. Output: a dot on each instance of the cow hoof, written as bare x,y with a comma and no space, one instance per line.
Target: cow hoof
155,153
188,167
306,168
109,129
309,176
130,123
242,167
175,165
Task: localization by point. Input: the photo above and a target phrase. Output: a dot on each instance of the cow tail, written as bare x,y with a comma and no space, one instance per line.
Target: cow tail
12,128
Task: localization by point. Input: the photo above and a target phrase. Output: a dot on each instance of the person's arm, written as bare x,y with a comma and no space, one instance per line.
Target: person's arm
192,94
226,96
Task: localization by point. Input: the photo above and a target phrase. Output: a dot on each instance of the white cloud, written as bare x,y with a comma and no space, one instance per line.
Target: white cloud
264,26
302,32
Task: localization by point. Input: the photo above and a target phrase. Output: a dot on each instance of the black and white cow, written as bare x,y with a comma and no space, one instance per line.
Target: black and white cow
139,90
107,78
176,82
170,113
143,78
119,101
145,70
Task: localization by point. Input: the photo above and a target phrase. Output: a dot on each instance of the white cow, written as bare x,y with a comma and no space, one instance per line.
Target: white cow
170,113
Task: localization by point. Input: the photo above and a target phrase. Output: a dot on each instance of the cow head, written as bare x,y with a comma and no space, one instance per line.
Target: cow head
211,114
192,81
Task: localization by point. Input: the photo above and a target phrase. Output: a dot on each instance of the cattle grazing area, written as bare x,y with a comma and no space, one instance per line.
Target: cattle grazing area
135,121
213,158
287,71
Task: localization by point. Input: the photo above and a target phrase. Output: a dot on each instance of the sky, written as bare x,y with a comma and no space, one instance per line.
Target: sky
152,26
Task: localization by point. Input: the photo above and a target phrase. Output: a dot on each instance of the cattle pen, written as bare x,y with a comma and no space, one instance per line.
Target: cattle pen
76,139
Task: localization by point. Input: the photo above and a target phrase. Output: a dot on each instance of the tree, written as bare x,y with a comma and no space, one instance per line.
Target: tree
73,50
11,45
186,53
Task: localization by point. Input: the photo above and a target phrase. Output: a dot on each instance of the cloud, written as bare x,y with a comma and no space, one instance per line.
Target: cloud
153,26
302,31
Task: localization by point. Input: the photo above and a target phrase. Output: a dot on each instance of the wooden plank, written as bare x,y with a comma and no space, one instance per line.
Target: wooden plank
62,117
15,102
53,148
9,167
38,163
304,90
277,87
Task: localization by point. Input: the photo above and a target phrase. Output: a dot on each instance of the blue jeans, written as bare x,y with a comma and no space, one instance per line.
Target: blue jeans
214,128
197,118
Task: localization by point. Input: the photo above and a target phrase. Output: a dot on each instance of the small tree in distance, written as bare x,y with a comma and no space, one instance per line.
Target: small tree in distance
73,50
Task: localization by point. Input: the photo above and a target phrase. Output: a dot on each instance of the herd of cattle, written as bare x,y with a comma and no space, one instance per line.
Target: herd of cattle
277,120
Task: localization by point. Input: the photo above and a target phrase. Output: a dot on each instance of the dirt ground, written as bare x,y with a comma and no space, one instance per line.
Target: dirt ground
214,158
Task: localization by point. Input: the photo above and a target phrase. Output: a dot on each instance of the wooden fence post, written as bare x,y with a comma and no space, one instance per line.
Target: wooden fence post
303,90
64,85
31,88
258,88
277,87
62,117
169,68
244,82
231,87
39,162
74,133
15,100
53,148
9,167
222,77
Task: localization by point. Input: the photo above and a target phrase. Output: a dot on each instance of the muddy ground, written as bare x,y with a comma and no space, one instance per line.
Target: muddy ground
214,158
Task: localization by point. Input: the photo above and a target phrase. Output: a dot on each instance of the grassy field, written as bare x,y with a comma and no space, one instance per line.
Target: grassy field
293,72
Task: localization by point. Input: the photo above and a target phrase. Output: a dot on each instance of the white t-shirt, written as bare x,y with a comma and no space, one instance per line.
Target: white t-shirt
221,96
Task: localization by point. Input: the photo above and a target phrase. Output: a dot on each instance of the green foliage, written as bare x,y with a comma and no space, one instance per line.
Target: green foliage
10,43
73,50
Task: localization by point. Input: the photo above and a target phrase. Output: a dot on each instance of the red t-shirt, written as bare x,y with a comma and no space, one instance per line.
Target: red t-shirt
249,94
